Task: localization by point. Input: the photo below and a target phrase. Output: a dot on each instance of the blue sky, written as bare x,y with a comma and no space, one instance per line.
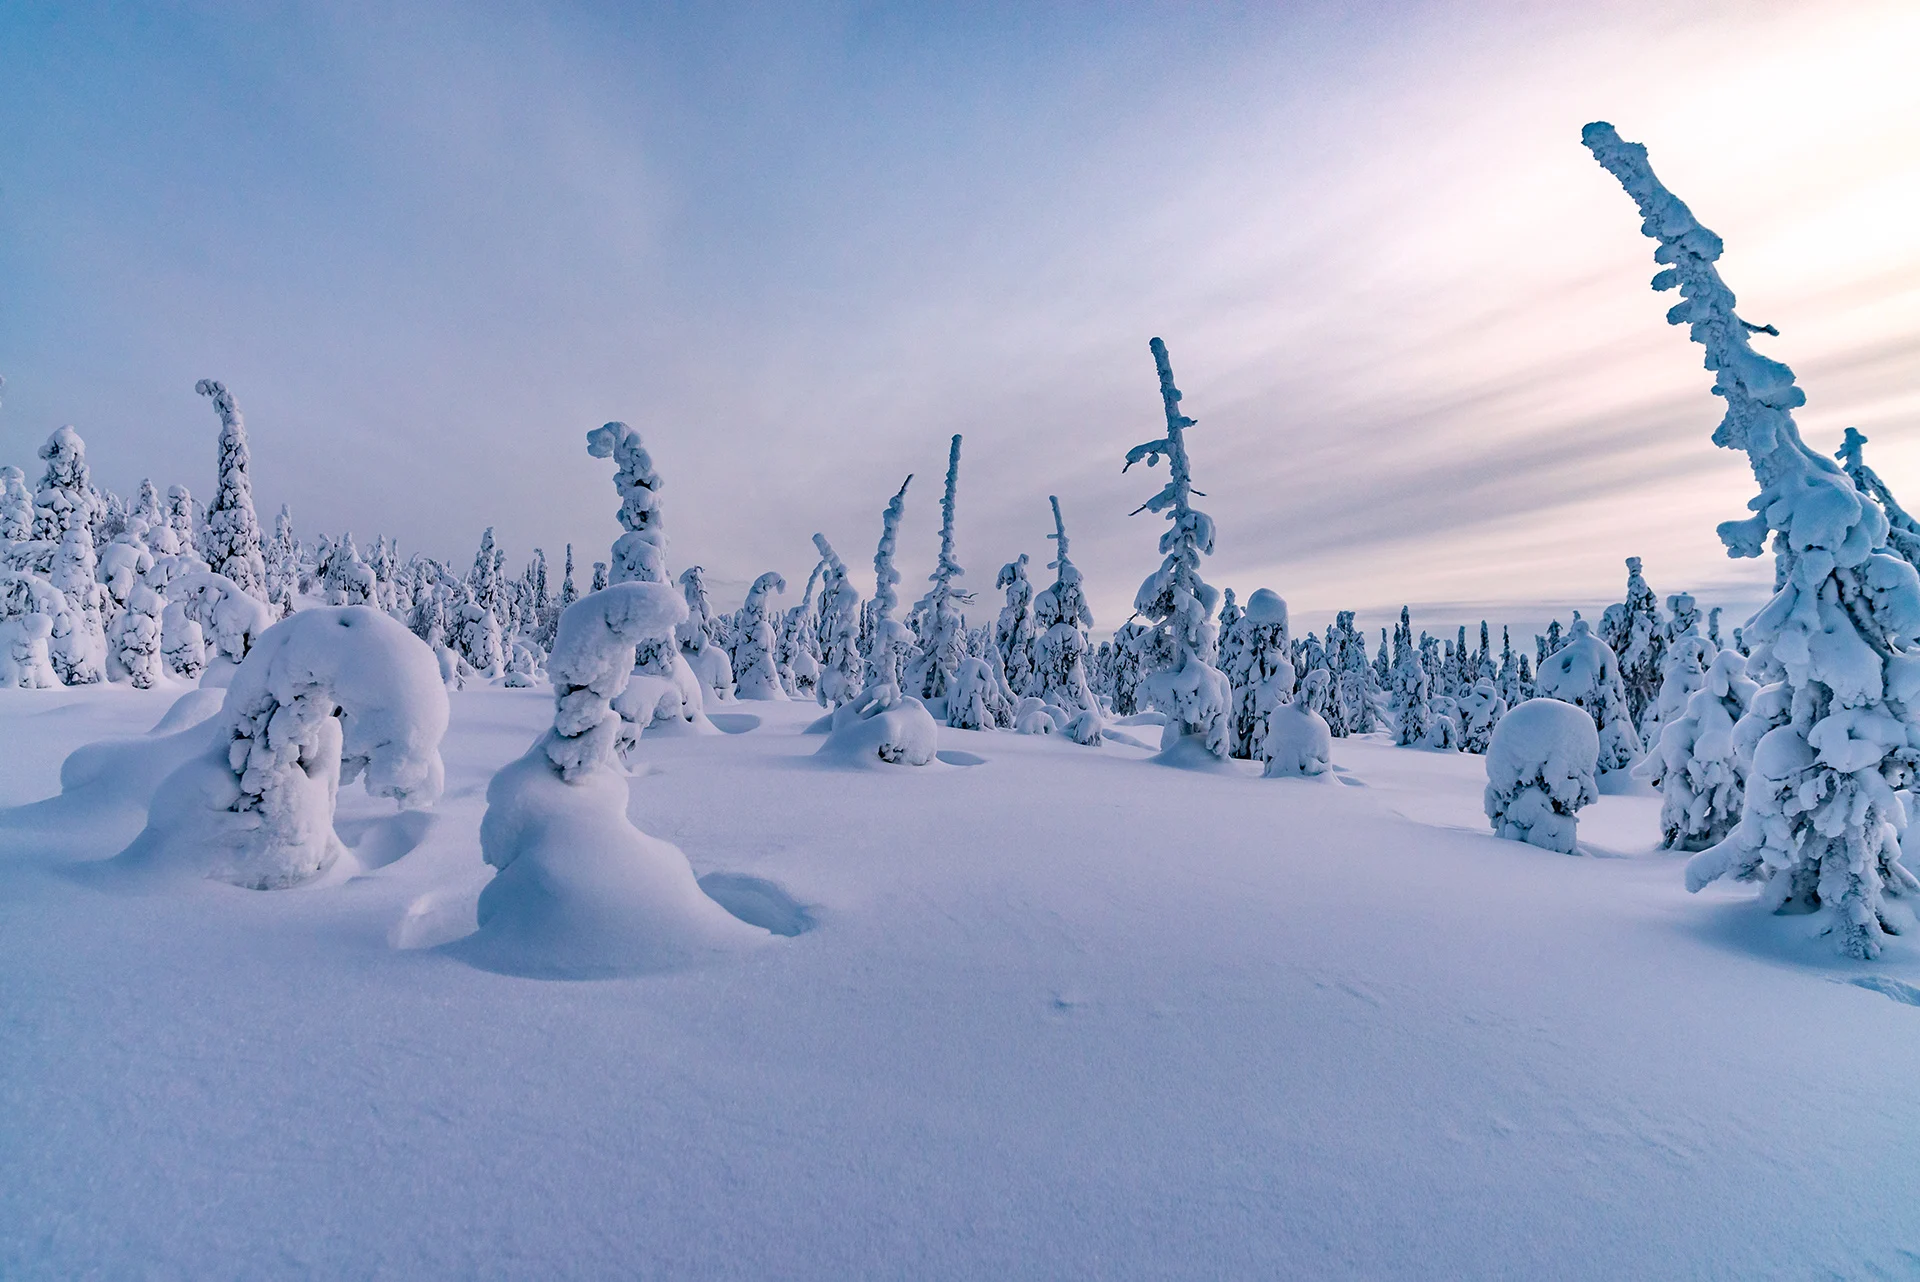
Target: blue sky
800,247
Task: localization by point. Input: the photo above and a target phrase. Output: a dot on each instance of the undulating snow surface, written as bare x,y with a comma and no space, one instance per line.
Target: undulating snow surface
1035,1010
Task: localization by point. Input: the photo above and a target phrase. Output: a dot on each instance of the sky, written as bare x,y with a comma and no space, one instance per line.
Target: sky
798,247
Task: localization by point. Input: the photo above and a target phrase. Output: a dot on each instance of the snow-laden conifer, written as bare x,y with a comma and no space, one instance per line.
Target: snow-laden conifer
232,534
756,672
1585,673
1061,617
640,554
1634,632
1295,739
30,610
282,559
1698,765
695,634
1821,821
943,644
839,630
16,506
1903,532
1350,709
1541,773
349,580
797,657
1174,599
80,657
1013,631
1259,649
1481,709
1411,687
134,642
65,499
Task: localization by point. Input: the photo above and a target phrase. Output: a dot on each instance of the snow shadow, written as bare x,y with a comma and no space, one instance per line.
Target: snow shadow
734,722
955,757
377,842
759,902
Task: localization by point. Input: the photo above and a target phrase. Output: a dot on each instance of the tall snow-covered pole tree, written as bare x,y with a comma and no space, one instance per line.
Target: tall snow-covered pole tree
839,630
232,530
1174,598
1062,616
1836,647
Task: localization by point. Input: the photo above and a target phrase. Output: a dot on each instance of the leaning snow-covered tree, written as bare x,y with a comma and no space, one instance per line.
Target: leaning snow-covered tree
1174,599
756,674
839,630
1836,646
231,537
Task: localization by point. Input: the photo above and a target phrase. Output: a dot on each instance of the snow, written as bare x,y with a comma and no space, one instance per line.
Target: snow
1542,764
1019,1040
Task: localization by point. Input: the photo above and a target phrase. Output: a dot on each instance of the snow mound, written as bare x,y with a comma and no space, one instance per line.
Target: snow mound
882,725
1541,766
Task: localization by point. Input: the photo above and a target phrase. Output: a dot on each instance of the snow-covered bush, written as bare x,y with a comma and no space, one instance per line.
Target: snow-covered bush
1296,741
1697,763
231,538
322,698
578,890
1541,769
1841,637
1174,599
756,674
1584,673
229,619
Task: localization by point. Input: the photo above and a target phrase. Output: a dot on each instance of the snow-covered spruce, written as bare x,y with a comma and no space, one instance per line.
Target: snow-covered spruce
579,892
1541,769
1820,828
1635,633
229,620
323,697
839,630
1481,710
1061,617
1584,672
231,537
881,723
944,643
348,579
756,673
80,652
1296,740
1446,730
1259,671
1177,602
16,506
30,610
1698,763
1411,688
65,499
977,700
1350,708
1903,532
707,658
665,694
134,641
1013,631
798,658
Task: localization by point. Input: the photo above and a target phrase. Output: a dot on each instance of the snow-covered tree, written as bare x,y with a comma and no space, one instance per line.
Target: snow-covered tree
475,634
797,658
1585,673
1634,632
1174,599
1258,648
1541,773
756,672
568,592
1295,740
708,660
1507,679
134,643
1903,532
599,580
30,611
1061,617
1013,631
180,520
639,555
978,700
232,534
890,638
1411,687
1350,709
282,560
1481,709
944,643
1698,765
80,656
839,630
16,506
328,696
349,580
65,499
1821,822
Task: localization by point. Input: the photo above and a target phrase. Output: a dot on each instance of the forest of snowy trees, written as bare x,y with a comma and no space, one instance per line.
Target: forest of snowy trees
1781,749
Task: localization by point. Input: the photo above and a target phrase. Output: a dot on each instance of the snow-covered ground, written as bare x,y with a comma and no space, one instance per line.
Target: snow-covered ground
1053,1012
